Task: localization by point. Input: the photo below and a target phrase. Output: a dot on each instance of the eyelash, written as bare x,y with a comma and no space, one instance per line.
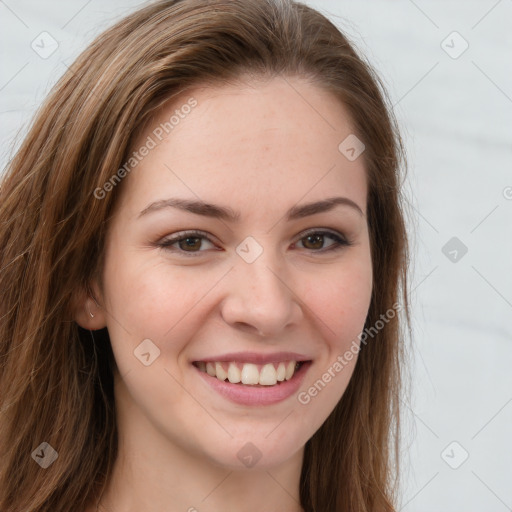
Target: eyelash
340,241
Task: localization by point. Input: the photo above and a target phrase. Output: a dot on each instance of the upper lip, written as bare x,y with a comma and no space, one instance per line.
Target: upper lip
255,357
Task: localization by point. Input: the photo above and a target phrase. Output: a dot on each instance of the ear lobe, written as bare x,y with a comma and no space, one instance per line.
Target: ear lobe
88,314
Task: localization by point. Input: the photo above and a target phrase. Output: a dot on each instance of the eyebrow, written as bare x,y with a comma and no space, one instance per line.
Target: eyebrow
226,213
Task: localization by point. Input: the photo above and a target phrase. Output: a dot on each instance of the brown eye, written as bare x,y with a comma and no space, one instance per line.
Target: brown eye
314,241
190,243
186,242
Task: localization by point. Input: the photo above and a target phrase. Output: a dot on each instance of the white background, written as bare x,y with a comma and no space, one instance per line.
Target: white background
456,117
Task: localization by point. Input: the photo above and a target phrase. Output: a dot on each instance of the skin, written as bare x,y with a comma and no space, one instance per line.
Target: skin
260,148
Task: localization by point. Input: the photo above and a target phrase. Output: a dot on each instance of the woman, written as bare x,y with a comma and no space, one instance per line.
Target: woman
203,258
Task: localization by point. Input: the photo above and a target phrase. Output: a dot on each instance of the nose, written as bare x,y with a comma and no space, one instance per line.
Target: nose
261,298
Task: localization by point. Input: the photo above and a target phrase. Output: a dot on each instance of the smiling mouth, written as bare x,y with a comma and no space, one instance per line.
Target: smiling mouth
249,374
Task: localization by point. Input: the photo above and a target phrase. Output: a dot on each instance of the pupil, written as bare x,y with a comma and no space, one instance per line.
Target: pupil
319,239
190,244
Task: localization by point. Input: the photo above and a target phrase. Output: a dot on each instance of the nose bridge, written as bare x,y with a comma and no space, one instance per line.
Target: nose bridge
264,281
259,294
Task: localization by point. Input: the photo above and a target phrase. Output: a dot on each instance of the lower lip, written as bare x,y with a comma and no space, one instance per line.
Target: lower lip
257,395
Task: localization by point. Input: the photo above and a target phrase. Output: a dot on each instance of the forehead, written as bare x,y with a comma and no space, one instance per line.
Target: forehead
279,136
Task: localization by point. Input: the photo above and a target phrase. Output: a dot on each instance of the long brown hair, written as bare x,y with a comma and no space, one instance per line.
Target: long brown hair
56,380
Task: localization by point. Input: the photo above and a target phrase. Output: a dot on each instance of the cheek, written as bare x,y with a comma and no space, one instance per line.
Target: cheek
150,298
341,305
341,301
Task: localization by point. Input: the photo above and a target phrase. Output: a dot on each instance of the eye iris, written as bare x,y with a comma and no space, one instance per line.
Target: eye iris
318,239
186,244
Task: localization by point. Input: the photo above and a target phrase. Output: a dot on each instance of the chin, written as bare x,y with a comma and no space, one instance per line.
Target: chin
253,453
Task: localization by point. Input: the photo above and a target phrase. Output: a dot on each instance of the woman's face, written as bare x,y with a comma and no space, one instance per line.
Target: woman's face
276,283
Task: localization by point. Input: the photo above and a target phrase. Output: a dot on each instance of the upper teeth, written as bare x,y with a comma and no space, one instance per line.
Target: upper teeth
249,373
